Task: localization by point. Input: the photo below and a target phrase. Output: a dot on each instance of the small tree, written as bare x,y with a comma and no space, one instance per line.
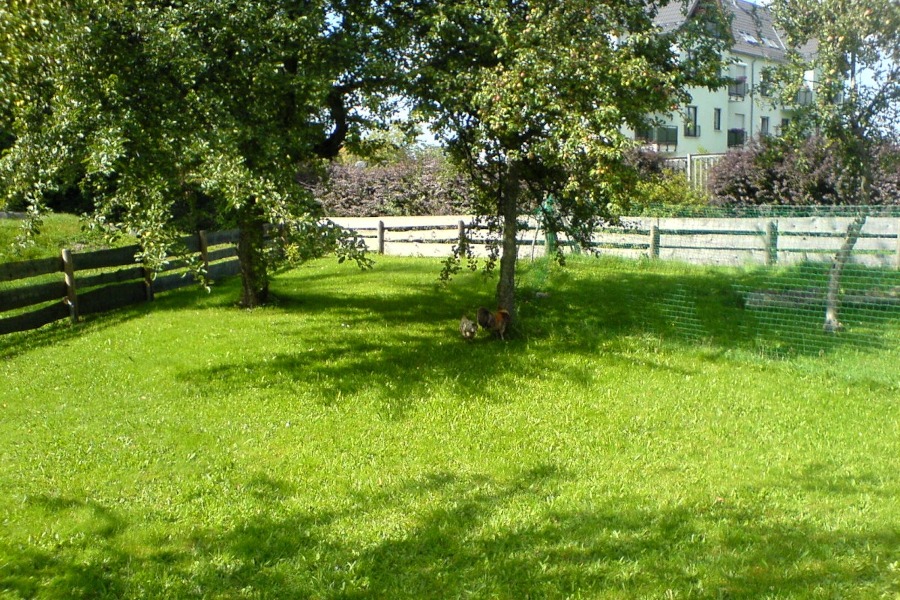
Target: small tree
531,99
853,48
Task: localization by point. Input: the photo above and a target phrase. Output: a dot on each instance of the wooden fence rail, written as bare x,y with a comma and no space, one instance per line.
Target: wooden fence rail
32,294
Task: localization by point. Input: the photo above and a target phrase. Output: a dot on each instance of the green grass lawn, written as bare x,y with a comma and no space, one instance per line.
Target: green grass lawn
58,231
345,442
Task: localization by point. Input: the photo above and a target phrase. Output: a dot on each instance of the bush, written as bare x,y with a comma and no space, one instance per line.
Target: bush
657,187
420,183
772,172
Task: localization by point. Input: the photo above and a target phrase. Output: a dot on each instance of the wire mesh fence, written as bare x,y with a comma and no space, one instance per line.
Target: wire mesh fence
806,279
794,279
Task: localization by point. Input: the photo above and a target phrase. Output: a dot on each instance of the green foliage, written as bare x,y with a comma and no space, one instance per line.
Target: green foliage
853,49
669,189
655,188
530,98
152,106
355,446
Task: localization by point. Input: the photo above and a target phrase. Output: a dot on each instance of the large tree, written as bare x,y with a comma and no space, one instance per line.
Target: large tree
852,50
531,97
153,108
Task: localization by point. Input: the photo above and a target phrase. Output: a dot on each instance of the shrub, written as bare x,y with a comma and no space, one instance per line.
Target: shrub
657,186
420,183
772,172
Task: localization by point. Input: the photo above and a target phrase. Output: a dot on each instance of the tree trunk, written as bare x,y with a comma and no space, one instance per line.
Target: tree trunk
509,204
254,275
833,293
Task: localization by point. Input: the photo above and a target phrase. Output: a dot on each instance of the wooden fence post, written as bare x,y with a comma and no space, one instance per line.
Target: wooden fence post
463,242
654,241
203,246
71,291
380,237
771,242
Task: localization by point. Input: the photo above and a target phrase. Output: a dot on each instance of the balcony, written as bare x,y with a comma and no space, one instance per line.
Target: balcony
804,97
664,136
736,138
691,130
737,89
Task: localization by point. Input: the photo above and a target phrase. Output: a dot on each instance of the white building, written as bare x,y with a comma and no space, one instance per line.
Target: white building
715,121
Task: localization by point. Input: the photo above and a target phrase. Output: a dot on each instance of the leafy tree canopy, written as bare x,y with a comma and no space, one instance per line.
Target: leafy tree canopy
853,49
152,106
531,98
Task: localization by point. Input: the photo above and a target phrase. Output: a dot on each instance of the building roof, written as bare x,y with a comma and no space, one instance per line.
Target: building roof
752,27
674,14
754,30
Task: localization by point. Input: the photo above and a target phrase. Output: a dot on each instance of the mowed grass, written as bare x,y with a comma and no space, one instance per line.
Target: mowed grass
345,442
58,231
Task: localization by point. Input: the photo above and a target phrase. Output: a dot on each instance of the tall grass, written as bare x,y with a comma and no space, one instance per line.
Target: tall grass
345,442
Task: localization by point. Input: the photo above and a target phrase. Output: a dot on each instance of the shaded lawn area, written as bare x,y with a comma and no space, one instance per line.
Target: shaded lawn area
345,442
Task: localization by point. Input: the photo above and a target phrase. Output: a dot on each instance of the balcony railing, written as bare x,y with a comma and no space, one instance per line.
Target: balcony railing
737,88
803,98
664,135
691,130
736,137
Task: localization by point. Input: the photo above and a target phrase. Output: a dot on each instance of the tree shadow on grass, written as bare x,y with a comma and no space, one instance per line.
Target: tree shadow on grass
60,332
586,307
450,535
397,341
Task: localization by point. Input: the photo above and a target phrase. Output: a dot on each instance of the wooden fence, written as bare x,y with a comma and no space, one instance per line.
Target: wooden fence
36,292
707,241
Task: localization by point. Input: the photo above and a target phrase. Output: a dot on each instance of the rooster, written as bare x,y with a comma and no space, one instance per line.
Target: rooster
496,322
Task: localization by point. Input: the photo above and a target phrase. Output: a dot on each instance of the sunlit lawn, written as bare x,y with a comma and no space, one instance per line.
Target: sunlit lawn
347,443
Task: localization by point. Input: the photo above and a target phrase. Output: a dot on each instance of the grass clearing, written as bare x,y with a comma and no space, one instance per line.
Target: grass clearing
346,443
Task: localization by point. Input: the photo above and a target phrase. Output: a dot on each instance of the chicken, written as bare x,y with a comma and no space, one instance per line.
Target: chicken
467,328
496,322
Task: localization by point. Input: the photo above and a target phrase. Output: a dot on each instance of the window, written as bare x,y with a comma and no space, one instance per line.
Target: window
663,136
691,129
717,119
782,129
736,137
764,126
749,38
765,83
737,88
804,97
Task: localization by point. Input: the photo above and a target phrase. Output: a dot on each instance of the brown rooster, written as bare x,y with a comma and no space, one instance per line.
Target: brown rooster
496,322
